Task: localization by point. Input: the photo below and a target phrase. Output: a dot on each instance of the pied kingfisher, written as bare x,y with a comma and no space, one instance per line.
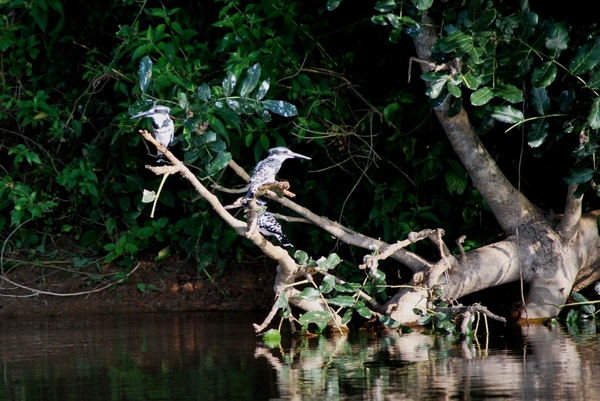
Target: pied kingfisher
268,225
163,128
265,170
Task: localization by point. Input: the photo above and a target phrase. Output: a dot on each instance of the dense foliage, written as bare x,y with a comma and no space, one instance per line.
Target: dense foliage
73,161
320,77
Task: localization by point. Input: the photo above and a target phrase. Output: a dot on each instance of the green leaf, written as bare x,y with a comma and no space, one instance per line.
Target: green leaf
327,284
342,300
454,41
538,132
482,96
229,83
183,100
594,82
141,287
148,196
309,294
587,309
471,80
389,322
385,6
272,336
301,257
320,318
422,5
251,80
282,301
280,107
455,182
594,116
507,114
579,176
527,24
333,4
347,287
509,93
454,90
262,89
543,75
347,316
557,39
218,163
436,88
332,261
364,312
586,58
540,100
393,113
204,92
145,73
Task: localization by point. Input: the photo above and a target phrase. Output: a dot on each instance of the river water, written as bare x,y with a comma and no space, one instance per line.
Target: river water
216,356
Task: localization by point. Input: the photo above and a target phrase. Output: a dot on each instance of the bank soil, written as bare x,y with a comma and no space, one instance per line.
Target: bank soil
172,284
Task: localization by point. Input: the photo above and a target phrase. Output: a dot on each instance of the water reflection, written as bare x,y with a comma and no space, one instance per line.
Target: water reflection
215,356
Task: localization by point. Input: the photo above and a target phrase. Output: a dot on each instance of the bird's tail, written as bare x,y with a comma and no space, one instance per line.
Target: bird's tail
284,241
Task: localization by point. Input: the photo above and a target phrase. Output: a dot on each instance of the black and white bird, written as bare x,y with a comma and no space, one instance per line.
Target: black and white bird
163,127
265,170
268,225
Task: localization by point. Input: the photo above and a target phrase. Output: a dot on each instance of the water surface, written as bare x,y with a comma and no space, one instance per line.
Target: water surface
216,356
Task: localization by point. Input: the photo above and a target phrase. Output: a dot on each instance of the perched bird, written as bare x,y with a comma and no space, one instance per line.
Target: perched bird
268,225
163,127
265,170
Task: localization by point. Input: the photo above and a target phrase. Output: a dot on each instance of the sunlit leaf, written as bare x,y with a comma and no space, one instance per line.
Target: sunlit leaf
218,163
183,100
301,257
347,316
309,294
229,83
262,89
436,88
422,5
482,96
280,107
579,176
333,4
538,132
507,114
454,90
544,75
327,284
347,287
145,73
272,335
385,6
540,100
148,196
342,300
204,92
471,80
594,116
586,58
282,301
557,39
251,80
509,93
326,264
364,312
319,318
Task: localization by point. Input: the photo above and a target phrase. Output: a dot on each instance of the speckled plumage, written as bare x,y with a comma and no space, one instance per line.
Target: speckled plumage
163,128
268,225
265,170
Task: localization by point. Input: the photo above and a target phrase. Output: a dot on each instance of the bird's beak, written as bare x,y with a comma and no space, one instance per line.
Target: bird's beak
299,156
144,114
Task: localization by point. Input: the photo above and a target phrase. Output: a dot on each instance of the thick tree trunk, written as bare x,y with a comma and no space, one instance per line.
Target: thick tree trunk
549,255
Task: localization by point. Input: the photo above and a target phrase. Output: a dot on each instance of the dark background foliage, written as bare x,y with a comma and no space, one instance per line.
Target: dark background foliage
73,162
